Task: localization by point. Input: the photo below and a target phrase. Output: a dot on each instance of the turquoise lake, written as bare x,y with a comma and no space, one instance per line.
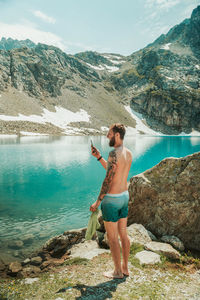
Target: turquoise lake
48,183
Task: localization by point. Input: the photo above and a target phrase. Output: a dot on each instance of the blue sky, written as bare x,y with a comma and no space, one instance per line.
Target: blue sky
115,26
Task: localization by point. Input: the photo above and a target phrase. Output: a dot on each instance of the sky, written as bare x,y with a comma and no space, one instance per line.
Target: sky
112,26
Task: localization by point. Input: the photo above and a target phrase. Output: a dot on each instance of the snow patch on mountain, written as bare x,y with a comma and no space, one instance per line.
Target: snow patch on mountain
61,117
166,46
140,125
111,69
104,67
100,67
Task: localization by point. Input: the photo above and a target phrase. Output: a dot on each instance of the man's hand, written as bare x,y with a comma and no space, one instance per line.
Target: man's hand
95,152
93,207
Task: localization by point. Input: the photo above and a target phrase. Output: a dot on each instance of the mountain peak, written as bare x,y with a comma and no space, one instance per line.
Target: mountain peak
196,13
9,43
187,33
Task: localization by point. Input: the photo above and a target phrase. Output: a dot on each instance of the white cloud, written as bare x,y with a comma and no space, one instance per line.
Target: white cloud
29,30
162,4
44,17
24,31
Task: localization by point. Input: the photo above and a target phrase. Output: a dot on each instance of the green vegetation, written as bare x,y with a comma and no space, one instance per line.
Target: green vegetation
76,261
132,73
83,278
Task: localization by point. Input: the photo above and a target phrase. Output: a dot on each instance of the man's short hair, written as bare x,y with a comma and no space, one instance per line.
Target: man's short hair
118,127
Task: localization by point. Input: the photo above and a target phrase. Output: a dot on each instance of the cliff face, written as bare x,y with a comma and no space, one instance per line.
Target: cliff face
41,71
160,81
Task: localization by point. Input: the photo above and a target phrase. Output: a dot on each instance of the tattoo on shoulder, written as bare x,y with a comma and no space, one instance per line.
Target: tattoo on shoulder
112,162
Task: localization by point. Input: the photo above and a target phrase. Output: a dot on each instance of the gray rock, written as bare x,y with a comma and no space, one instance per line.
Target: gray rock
102,240
28,238
138,234
30,280
59,245
26,261
165,199
37,260
162,248
15,244
15,267
30,271
105,241
174,241
88,249
147,257
152,236
2,265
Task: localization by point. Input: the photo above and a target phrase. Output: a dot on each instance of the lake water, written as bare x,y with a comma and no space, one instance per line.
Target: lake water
48,183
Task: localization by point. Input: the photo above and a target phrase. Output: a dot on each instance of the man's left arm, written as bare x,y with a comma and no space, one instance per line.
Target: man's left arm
111,169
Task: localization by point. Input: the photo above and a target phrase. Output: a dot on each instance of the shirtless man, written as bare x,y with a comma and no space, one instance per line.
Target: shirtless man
114,198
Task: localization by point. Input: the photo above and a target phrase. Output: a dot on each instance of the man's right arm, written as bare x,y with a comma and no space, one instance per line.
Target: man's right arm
103,163
97,154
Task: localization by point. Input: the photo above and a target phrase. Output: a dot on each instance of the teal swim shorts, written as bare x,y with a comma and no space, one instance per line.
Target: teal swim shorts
115,206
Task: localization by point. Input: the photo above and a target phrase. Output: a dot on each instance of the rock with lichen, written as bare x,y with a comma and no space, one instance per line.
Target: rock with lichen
166,199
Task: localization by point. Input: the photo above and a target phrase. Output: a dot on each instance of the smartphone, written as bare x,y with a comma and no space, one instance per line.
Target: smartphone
93,150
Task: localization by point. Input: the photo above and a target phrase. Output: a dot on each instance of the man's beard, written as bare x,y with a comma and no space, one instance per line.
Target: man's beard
112,141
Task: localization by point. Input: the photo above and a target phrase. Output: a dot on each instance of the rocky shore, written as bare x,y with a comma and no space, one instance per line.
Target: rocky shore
69,267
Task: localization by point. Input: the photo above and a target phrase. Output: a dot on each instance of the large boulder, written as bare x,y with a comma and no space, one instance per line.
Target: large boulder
166,199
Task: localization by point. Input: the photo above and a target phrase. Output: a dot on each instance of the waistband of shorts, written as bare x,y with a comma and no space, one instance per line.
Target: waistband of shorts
117,195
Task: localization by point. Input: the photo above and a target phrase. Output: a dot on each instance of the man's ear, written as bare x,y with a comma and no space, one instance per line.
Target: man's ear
118,135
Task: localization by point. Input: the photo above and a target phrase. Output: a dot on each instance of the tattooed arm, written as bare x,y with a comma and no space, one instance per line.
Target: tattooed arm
111,169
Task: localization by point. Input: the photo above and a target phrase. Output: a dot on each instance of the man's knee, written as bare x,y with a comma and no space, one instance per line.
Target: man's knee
112,238
122,231
124,236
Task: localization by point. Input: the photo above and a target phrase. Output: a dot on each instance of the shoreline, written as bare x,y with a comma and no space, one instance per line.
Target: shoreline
32,134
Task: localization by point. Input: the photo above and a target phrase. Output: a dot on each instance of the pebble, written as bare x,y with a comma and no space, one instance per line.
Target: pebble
30,280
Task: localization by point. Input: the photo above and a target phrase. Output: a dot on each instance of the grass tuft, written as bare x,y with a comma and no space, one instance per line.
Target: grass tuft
76,261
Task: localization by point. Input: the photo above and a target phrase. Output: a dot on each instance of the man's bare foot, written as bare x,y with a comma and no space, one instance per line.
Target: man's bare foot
125,271
112,274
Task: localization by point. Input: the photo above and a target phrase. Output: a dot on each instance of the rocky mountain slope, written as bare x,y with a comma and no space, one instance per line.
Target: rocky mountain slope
161,82
44,77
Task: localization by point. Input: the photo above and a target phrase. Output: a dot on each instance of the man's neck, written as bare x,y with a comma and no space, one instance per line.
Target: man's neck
117,145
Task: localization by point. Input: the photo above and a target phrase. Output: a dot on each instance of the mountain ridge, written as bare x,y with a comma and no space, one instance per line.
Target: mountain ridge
160,81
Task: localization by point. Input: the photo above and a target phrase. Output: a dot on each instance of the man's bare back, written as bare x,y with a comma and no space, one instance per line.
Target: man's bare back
123,164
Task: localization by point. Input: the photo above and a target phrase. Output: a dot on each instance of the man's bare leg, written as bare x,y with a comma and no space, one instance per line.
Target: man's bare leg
112,234
125,241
